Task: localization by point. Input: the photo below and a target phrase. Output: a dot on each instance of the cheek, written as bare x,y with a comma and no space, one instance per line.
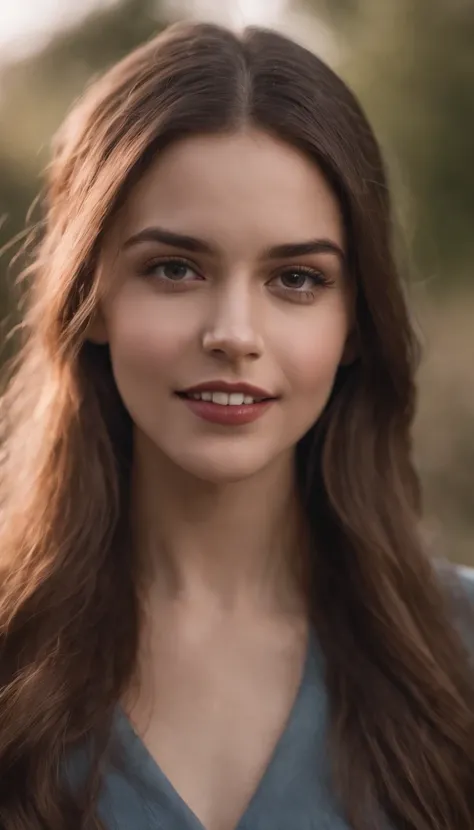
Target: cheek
144,339
310,357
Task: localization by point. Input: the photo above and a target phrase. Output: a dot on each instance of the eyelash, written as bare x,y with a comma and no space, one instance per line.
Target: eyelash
320,280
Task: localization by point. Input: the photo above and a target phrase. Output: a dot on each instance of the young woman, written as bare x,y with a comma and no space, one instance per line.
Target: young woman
216,611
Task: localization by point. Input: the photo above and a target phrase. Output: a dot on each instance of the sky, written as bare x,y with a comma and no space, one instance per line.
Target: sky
25,24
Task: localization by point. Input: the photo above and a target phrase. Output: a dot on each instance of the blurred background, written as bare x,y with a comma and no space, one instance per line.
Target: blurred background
411,62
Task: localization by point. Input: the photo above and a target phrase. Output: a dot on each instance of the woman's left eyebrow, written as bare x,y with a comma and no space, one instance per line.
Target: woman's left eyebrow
312,246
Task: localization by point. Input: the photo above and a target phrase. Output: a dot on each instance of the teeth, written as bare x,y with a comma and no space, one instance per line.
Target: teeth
220,397
224,399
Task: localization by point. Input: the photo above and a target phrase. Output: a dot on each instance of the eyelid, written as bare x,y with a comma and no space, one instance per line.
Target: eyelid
157,260
320,277
319,274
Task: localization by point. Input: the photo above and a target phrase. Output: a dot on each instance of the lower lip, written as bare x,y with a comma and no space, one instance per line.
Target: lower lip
227,415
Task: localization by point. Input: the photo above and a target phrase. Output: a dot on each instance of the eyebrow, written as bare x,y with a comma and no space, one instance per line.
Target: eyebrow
199,246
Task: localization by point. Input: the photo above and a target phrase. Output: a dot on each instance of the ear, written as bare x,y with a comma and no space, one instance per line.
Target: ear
97,329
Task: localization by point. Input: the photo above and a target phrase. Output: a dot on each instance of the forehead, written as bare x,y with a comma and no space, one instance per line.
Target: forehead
245,187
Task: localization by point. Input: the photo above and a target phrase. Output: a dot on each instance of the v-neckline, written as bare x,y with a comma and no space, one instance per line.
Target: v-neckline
157,781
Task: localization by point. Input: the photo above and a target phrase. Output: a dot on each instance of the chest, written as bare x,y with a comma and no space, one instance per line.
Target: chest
214,716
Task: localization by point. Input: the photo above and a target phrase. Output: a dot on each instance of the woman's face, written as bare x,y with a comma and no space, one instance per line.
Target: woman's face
226,266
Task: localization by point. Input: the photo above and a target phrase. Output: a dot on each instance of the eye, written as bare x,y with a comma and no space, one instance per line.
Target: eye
300,280
171,270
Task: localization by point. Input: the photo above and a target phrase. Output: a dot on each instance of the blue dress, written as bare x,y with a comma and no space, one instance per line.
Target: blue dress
293,794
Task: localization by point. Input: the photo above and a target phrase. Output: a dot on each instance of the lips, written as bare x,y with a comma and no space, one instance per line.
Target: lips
227,404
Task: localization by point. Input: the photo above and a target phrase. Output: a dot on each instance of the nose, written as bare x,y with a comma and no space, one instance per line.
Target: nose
230,332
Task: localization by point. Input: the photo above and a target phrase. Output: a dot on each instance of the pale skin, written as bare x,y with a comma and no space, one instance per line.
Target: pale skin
215,508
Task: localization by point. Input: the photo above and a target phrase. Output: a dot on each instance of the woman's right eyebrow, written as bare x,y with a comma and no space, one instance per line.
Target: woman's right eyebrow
171,238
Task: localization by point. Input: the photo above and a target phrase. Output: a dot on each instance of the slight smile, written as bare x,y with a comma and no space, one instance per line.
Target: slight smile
228,404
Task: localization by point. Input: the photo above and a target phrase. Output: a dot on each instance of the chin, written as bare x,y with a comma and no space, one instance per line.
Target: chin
220,468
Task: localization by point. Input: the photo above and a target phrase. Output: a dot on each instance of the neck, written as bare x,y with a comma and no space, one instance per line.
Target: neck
227,545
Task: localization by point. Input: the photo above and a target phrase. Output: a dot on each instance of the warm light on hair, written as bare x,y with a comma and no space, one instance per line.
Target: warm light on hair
400,684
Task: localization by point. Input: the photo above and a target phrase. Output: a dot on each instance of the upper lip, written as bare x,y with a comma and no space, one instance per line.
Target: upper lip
225,386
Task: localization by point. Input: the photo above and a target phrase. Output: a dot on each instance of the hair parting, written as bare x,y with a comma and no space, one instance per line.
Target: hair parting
400,682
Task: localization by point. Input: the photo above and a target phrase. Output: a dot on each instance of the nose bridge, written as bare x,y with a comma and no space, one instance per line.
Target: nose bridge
234,306
233,321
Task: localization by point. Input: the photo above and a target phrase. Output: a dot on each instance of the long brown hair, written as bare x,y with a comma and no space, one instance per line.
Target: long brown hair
400,685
